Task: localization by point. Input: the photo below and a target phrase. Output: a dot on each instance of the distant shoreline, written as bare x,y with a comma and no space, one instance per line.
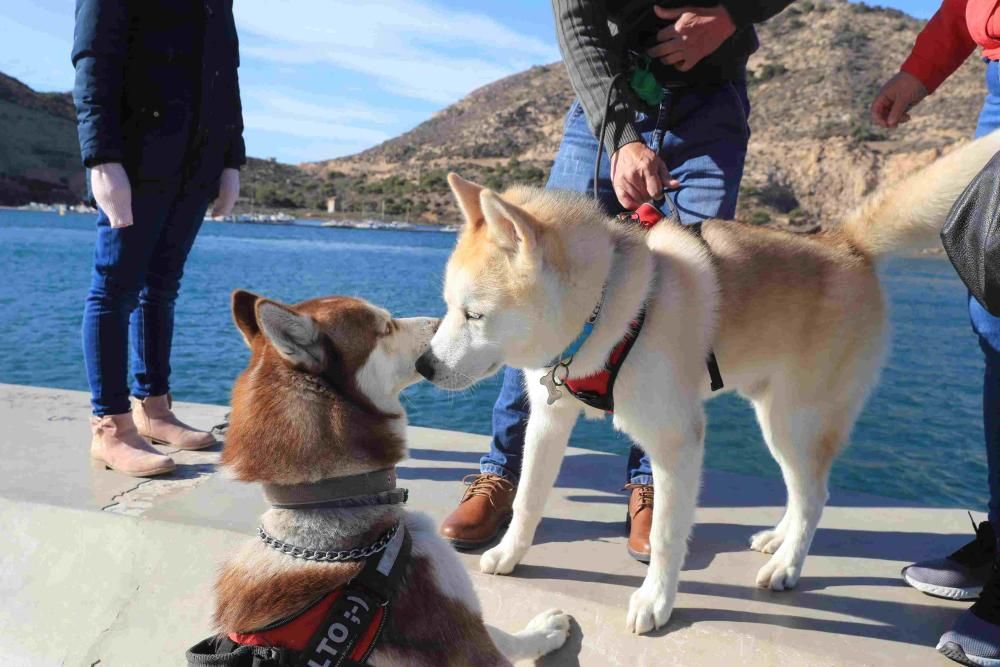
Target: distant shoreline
271,220
369,225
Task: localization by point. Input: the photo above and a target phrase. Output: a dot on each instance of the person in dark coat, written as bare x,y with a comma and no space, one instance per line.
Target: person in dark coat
161,133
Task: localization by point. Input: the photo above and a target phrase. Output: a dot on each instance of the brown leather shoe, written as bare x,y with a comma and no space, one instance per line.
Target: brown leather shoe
639,521
485,508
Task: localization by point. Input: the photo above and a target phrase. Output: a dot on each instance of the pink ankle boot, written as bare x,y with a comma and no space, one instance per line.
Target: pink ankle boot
119,446
156,421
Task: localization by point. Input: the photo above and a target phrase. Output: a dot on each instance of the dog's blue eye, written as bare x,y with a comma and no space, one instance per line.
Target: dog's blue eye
469,315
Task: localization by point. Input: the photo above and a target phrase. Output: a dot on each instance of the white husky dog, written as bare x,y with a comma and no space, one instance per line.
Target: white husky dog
797,322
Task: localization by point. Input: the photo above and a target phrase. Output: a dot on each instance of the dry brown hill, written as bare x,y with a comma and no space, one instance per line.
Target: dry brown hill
39,154
813,152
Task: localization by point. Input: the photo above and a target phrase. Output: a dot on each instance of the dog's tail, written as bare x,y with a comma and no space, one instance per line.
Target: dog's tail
908,215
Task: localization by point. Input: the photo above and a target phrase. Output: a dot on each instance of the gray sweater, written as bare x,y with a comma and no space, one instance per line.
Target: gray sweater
590,42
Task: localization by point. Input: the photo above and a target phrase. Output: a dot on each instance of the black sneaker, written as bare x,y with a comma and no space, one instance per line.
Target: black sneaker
974,639
962,575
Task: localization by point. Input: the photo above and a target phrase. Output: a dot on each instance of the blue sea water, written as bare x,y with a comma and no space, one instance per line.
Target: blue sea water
920,437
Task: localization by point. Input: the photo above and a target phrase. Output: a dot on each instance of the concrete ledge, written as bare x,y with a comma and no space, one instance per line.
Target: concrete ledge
89,588
82,585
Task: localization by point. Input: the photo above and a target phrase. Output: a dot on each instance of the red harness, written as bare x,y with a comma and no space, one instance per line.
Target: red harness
646,215
296,633
596,390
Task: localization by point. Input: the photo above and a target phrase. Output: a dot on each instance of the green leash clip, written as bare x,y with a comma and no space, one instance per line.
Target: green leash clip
645,85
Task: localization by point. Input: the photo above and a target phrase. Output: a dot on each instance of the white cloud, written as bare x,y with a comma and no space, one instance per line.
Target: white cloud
311,129
320,78
345,126
317,108
394,60
381,26
409,48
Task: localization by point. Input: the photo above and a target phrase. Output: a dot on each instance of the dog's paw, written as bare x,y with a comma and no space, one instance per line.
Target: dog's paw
780,573
648,609
546,632
501,559
767,541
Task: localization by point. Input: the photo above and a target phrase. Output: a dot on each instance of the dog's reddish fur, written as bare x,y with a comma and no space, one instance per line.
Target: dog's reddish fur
437,631
284,430
245,602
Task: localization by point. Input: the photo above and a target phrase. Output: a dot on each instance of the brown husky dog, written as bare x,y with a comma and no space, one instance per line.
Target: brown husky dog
318,405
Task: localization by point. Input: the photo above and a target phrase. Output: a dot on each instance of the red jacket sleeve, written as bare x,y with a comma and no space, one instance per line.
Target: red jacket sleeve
942,46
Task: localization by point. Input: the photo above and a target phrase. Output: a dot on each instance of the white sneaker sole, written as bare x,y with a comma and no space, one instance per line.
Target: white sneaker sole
957,653
944,591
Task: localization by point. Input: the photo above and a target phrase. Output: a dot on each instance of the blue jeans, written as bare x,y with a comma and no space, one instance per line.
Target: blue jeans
701,134
987,327
134,284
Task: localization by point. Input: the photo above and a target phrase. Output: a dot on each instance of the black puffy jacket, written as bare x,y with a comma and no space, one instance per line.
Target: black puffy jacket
157,88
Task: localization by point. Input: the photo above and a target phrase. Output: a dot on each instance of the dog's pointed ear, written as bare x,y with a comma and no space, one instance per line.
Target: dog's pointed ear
467,195
296,337
245,314
509,226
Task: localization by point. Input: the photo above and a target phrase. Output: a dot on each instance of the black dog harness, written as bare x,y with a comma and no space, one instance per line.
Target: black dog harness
341,629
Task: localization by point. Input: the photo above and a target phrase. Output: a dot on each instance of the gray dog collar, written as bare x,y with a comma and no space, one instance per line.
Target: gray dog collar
369,488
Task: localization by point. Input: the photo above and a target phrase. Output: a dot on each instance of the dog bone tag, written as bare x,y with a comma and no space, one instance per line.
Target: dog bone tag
549,382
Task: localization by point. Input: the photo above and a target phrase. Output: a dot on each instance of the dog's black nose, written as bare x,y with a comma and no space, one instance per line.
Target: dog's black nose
425,365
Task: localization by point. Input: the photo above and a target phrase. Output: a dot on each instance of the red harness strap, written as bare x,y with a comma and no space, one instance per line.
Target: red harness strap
295,634
646,215
596,390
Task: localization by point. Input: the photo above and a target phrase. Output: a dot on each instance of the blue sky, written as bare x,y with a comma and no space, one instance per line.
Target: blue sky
324,78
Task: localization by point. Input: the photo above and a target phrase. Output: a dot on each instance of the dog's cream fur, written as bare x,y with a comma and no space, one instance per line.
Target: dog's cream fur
798,325
362,359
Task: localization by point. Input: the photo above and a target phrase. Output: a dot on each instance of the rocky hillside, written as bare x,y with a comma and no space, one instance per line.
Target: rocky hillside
813,152
818,68
39,154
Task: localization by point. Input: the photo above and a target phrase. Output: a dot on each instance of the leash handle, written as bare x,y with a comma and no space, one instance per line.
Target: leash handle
675,214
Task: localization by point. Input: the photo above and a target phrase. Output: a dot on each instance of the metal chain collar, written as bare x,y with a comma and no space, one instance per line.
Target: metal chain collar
346,555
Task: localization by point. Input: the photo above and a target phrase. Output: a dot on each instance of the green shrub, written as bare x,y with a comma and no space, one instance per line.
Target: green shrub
769,71
760,217
862,131
797,217
775,194
850,37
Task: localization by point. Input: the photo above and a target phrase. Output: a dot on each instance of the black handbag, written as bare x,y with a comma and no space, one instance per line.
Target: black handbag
971,236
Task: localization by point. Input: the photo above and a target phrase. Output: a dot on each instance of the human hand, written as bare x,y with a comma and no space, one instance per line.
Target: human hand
229,192
113,194
638,175
899,94
696,33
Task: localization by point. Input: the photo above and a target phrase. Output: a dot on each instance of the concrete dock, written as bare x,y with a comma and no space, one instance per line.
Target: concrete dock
101,569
